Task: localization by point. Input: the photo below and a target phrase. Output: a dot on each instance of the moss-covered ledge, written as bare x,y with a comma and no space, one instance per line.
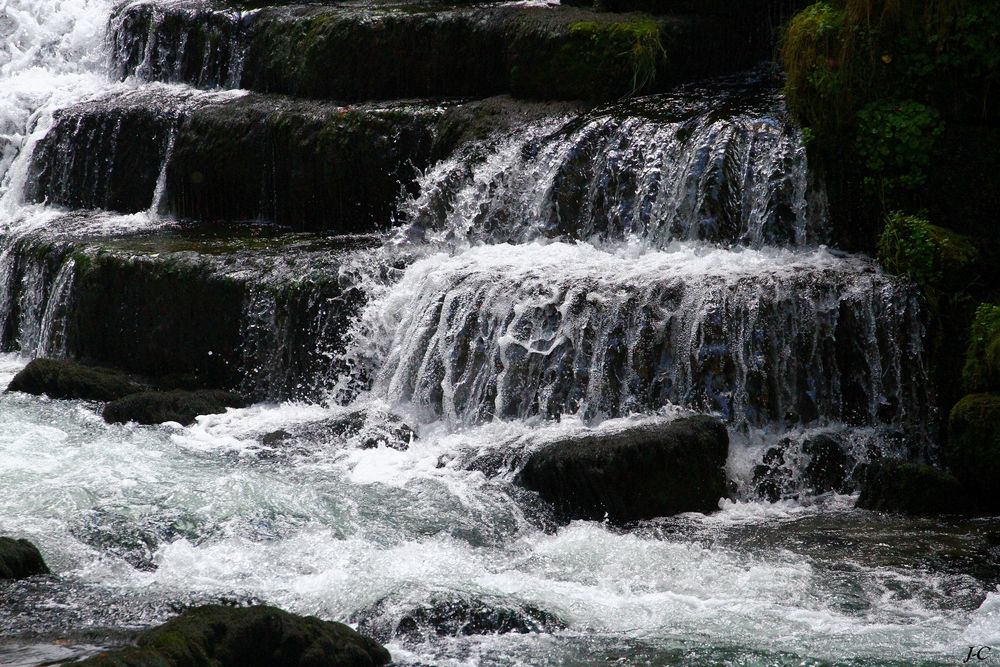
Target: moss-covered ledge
397,50
973,450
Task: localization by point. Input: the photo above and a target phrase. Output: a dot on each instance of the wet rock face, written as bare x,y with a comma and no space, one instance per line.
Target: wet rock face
156,407
911,488
102,154
65,379
357,55
213,157
637,473
238,637
20,559
453,616
305,165
352,53
188,42
157,317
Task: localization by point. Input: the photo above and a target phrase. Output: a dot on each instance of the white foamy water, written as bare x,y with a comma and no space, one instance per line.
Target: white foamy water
51,55
333,530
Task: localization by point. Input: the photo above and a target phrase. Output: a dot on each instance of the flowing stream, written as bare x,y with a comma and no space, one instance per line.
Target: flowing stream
589,270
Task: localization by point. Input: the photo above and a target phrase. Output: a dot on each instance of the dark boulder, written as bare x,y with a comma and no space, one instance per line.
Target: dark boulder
640,472
973,448
911,488
20,559
156,407
61,378
367,430
217,636
454,616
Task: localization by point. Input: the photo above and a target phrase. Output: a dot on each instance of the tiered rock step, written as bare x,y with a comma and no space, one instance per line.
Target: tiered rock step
384,50
229,156
244,307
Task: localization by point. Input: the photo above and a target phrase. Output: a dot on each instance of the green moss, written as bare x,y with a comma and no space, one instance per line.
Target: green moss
588,60
217,636
843,54
809,48
973,448
932,256
982,360
635,45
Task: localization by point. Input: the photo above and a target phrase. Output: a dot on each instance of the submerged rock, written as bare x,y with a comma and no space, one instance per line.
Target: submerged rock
636,473
156,407
61,378
911,488
973,448
20,559
217,636
368,430
453,616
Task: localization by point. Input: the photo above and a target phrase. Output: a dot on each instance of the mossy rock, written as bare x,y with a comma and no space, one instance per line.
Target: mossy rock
381,50
65,379
593,60
933,256
157,407
911,488
973,448
218,636
20,559
982,360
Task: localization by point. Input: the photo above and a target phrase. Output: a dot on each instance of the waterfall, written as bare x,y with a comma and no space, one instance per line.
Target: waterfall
50,56
36,288
725,167
202,46
758,337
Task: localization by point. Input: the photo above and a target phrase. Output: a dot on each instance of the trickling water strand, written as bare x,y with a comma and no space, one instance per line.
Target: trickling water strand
52,328
656,173
758,337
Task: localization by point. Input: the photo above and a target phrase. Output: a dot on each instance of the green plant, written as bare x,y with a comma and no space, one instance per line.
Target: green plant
982,359
635,43
810,47
934,257
906,247
895,141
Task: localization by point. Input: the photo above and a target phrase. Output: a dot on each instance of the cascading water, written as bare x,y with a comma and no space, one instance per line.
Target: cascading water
759,337
725,166
579,272
205,50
